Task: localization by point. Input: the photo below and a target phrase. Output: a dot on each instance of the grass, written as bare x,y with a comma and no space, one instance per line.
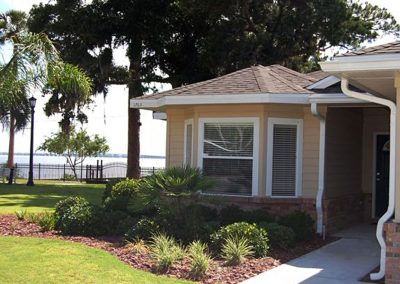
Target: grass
33,260
44,195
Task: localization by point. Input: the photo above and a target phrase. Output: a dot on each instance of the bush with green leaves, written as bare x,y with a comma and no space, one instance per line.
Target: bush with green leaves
256,237
200,260
195,222
233,214
144,229
279,236
235,250
301,223
121,195
165,251
74,216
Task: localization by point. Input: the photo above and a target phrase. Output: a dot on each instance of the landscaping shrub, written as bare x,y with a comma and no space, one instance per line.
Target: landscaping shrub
136,247
231,214
46,221
256,237
257,216
144,229
200,259
21,214
120,196
109,186
193,223
236,249
279,236
165,251
74,216
301,223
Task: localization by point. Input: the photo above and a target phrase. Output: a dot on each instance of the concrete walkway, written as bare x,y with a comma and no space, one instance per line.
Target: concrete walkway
345,261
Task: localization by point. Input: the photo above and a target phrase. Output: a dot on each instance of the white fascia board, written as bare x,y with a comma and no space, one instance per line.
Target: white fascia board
362,63
324,83
334,98
219,99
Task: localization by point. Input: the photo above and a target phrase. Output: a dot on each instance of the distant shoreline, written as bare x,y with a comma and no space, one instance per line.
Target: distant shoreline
110,155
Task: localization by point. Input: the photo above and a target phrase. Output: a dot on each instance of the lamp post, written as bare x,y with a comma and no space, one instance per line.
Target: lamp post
32,103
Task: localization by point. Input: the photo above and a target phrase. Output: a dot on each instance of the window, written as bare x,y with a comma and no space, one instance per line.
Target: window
188,142
284,150
228,153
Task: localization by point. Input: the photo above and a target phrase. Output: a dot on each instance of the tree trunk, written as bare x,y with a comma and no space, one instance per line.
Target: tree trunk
10,162
135,90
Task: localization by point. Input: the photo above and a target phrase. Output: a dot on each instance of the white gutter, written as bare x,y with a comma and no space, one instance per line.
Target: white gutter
321,170
392,169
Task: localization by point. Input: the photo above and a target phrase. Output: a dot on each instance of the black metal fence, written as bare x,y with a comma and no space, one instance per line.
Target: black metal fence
96,172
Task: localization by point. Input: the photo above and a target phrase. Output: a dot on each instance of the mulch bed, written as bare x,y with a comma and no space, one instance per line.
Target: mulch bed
218,273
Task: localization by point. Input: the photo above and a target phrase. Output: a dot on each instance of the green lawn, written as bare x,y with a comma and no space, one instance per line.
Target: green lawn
33,260
44,195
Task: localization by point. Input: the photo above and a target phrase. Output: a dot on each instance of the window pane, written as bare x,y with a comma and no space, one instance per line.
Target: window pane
231,176
188,153
284,160
228,139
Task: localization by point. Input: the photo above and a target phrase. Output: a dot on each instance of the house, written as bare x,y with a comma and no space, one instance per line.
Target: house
319,142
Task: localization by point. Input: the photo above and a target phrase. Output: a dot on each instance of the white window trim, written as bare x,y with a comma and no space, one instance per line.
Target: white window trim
299,154
187,122
256,145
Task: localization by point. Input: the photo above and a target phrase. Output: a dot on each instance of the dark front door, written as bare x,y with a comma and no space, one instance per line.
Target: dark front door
382,175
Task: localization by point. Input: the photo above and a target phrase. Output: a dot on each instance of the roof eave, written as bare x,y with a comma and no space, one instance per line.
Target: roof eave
358,63
272,98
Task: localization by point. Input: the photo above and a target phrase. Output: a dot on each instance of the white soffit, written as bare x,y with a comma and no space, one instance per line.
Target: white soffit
324,83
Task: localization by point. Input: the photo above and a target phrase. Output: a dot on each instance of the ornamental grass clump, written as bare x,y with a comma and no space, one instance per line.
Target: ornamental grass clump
200,259
235,250
46,221
165,251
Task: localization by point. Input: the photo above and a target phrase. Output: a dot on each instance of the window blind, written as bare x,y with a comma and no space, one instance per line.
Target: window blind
284,160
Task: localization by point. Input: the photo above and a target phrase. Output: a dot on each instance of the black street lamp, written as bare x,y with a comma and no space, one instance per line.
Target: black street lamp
32,102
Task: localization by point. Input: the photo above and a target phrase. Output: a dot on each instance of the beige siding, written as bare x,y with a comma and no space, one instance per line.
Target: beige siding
343,152
376,121
311,153
175,136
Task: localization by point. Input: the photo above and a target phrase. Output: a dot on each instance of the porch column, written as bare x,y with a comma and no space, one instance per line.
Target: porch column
397,197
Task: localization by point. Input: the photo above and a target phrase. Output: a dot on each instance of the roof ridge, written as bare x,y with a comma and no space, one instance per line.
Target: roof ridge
293,72
286,82
257,78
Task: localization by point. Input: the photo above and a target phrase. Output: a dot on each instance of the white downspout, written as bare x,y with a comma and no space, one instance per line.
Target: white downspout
392,169
321,170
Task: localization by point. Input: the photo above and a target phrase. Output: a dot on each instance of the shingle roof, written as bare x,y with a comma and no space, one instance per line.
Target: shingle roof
318,75
393,47
253,80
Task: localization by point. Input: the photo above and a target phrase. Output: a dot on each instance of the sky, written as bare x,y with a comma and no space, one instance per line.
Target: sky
109,117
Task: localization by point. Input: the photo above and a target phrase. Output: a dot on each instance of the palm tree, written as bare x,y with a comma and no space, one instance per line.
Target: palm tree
35,64
13,110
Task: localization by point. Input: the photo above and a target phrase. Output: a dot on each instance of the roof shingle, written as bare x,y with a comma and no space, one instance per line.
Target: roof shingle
253,80
392,47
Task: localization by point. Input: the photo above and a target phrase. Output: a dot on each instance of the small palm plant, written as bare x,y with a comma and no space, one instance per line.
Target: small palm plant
175,183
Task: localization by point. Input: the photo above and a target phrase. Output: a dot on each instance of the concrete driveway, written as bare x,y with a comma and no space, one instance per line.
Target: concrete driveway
345,261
